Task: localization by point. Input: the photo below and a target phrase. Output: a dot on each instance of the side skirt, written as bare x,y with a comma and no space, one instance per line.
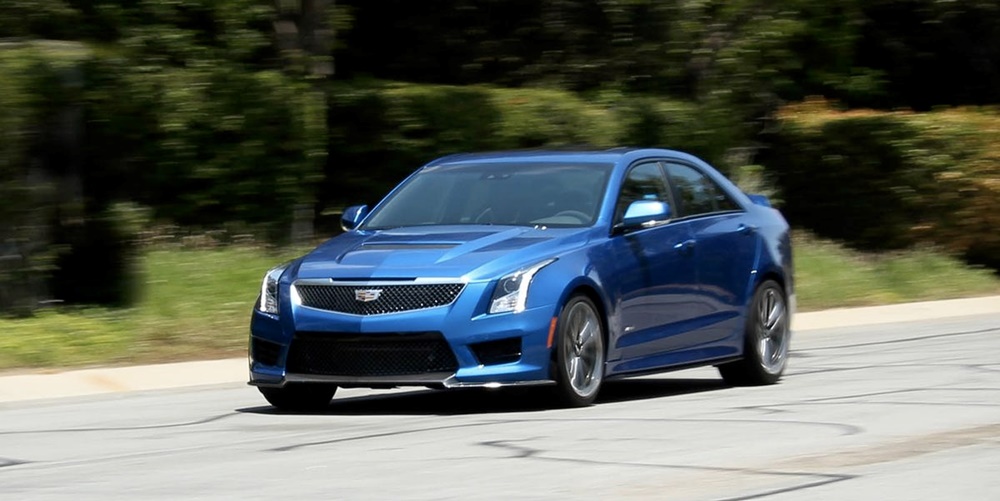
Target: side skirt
714,362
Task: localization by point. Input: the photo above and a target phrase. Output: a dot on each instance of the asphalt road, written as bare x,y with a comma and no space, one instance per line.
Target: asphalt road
891,411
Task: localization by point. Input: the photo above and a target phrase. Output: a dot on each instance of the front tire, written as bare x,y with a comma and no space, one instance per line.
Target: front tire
579,353
767,337
299,397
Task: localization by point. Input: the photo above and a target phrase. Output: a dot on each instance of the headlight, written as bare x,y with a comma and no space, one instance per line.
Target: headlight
269,290
511,292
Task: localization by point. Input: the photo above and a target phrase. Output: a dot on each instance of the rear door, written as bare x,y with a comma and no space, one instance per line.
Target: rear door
726,247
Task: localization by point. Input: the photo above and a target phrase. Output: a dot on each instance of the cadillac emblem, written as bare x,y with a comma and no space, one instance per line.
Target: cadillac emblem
367,295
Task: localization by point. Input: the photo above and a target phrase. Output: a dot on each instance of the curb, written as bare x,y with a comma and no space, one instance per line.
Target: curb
895,313
96,381
101,380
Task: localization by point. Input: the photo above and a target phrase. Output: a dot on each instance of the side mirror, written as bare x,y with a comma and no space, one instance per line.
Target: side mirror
352,216
642,213
759,200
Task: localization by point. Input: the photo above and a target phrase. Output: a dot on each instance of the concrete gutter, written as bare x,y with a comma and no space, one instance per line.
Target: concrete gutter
100,380
83,382
895,313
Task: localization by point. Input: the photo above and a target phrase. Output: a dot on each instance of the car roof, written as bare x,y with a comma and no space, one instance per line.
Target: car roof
611,155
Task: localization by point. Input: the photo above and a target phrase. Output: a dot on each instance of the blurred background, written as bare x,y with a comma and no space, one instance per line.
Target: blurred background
157,156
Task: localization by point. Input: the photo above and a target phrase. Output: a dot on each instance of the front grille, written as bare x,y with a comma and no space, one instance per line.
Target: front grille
264,352
377,299
378,355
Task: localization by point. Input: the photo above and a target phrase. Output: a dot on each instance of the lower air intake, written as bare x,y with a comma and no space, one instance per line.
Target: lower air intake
371,355
502,351
264,352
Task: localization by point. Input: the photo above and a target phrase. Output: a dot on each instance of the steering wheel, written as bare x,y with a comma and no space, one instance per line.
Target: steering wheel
584,218
485,217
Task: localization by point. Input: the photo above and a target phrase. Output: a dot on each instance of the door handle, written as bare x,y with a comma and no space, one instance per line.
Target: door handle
747,229
685,246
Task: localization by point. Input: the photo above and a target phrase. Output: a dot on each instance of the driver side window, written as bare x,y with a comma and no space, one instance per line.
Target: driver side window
643,182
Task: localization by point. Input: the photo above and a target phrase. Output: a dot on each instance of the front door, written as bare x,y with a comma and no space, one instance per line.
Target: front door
656,277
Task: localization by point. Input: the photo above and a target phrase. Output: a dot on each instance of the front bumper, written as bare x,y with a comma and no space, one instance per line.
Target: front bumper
439,380
461,324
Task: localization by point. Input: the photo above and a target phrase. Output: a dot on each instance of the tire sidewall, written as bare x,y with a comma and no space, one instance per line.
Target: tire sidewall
566,391
751,345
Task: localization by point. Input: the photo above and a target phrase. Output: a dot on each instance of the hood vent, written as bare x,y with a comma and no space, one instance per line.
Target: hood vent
404,246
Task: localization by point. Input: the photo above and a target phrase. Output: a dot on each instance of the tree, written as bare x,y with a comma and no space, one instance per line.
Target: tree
187,107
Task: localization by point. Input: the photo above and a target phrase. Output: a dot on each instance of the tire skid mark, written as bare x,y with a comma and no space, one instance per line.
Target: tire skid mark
991,368
865,398
125,456
5,462
520,451
898,392
774,492
198,422
988,330
524,452
935,404
92,461
917,365
901,449
844,429
287,448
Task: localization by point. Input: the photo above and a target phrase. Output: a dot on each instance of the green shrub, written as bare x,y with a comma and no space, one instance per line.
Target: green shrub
380,132
33,102
84,129
703,130
889,180
205,145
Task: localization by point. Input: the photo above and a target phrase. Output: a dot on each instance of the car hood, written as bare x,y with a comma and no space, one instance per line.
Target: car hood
469,252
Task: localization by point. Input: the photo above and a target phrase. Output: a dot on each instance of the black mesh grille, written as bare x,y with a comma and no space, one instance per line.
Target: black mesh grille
334,354
378,299
264,352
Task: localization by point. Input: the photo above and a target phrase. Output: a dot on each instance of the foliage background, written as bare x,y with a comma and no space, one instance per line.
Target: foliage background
266,117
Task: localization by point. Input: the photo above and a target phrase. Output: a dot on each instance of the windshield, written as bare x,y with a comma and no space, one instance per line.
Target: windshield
521,194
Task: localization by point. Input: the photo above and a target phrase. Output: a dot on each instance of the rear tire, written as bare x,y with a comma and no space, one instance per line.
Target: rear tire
766,340
579,353
299,397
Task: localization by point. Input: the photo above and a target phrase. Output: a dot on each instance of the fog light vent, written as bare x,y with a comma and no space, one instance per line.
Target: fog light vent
264,352
501,351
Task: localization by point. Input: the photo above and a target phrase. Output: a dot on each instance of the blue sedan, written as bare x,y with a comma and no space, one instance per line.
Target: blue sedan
554,268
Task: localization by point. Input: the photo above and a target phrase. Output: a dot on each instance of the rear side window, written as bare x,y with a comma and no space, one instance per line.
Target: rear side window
698,193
